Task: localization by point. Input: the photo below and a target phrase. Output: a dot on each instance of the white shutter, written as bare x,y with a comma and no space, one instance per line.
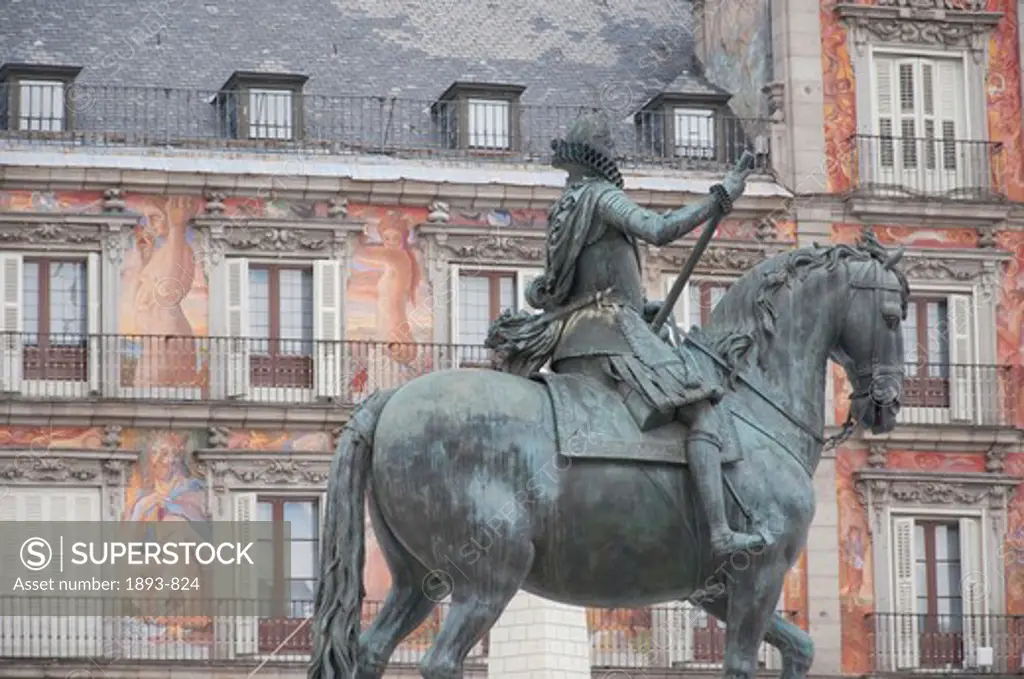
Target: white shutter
830,394
884,123
523,279
951,123
11,359
246,581
669,628
973,594
904,624
327,331
235,352
95,341
453,303
962,373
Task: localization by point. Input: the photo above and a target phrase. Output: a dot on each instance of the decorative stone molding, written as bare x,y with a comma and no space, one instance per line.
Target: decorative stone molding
78,232
878,489
66,466
942,23
214,204
766,230
876,456
776,101
954,266
440,212
218,437
248,469
994,458
721,258
112,436
337,208
475,245
299,239
113,201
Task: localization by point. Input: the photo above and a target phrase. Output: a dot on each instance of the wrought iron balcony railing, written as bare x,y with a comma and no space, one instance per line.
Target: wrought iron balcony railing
935,643
97,115
956,394
252,370
111,629
929,167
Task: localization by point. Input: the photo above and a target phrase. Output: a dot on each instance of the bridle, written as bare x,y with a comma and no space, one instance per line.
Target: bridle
867,378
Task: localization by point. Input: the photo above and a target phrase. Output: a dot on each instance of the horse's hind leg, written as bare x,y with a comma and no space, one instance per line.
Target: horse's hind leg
405,607
794,644
481,594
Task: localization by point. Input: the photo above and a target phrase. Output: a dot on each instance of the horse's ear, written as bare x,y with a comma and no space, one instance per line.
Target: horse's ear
892,260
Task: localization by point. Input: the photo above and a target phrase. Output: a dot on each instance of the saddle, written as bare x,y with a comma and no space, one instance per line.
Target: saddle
593,422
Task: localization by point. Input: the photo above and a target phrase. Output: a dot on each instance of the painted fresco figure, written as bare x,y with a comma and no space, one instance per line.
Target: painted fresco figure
592,248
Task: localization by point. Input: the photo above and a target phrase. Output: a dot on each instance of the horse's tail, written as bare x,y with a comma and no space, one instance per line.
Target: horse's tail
339,594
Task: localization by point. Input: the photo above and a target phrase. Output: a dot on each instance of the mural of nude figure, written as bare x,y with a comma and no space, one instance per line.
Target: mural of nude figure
159,274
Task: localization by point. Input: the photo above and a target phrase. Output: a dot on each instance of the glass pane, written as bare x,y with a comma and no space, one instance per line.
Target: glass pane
303,559
910,348
302,593
41,106
68,305
506,294
30,307
296,312
488,124
302,517
695,133
259,308
474,309
695,315
270,114
717,293
264,511
919,553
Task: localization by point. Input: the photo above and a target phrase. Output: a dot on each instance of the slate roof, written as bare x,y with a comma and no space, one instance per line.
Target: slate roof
565,52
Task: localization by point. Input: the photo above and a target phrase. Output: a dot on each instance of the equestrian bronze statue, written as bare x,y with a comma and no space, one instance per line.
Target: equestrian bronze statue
642,468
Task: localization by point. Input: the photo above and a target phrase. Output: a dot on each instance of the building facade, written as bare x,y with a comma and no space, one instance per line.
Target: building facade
221,229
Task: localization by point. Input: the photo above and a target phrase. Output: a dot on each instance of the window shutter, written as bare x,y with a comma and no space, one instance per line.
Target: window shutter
95,342
11,360
246,580
951,95
884,67
974,596
523,279
453,303
904,625
962,373
236,350
327,327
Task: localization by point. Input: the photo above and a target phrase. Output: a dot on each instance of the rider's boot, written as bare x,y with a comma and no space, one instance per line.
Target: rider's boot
704,456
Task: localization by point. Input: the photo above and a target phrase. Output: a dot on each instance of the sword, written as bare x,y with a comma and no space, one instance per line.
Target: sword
746,163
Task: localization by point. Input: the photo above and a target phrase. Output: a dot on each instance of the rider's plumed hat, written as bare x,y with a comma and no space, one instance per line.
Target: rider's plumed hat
589,144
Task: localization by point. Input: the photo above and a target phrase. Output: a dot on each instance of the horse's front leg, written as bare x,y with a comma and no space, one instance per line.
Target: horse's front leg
751,590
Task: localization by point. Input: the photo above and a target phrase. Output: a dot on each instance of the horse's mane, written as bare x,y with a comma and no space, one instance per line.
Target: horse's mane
743,322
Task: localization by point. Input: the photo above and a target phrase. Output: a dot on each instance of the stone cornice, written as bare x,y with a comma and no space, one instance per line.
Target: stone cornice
236,469
948,438
63,231
920,22
722,258
885,487
71,466
484,245
981,266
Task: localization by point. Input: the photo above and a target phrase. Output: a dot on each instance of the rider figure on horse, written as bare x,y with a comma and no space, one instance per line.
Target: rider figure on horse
596,318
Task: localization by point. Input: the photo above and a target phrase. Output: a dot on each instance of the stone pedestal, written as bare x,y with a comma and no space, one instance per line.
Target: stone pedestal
539,639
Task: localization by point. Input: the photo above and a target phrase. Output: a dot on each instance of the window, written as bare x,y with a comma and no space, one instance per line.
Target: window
933,615
281,323
694,133
920,113
479,116
41,105
938,349
488,124
482,298
292,585
262,105
698,300
54,319
270,114
35,97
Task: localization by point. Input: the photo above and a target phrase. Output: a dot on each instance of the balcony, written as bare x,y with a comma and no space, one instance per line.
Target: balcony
956,394
946,644
925,177
340,125
117,632
196,369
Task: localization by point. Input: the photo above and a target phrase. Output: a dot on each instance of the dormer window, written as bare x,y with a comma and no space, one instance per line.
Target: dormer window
685,120
262,106
479,116
34,98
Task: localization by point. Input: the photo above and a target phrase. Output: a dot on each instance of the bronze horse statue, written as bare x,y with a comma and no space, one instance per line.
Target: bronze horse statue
469,494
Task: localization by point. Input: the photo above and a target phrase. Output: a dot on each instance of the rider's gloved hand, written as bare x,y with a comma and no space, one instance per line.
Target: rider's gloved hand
651,310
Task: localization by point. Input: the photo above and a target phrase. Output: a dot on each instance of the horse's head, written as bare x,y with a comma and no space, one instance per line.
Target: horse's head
870,340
